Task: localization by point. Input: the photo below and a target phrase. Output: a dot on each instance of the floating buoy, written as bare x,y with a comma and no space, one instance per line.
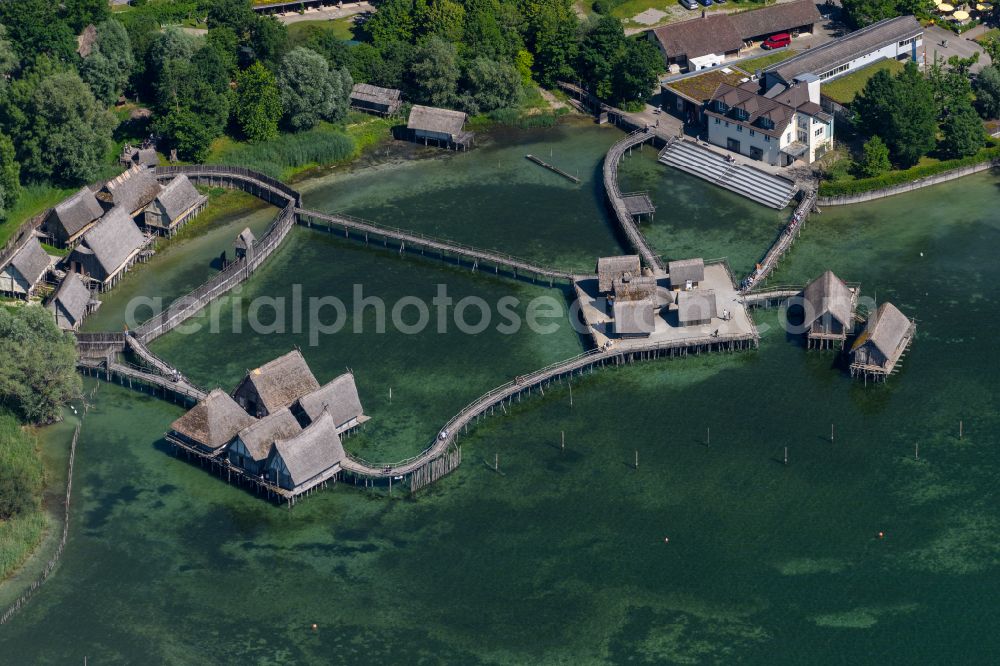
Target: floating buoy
666,539
881,535
315,626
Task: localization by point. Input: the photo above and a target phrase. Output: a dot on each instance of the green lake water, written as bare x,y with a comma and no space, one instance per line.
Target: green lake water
563,557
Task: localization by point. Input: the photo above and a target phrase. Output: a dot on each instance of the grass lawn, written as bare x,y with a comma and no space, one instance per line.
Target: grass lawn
768,59
993,33
675,11
34,199
846,88
342,28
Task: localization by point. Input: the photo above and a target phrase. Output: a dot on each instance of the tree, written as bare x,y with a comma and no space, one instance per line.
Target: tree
10,176
552,27
8,56
169,54
435,73
524,61
107,69
236,15
102,76
269,40
873,106
225,43
988,92
393,22
860,13
78,14
35,29
483,35
913,118
962,132
636,72
441,18
490,85
258,103
22,479
187,133
69,133
38,374
327,44
875,160
602,47
309,91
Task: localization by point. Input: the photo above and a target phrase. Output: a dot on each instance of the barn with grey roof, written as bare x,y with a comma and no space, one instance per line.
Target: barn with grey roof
375,99
108,250
71,303
307,460
878,350
686,273
176,203
276,384
445,127
25,270
73,217
252,445
696,308
209,426
340,398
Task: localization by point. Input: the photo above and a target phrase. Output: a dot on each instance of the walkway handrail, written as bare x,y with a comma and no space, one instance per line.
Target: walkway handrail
417,237
224,170
614,194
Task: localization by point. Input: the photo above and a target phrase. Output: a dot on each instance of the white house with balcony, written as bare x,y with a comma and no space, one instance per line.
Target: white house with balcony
776,126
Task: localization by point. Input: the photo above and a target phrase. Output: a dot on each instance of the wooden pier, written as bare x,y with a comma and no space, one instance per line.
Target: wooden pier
411,240
139,379
784,241
553,169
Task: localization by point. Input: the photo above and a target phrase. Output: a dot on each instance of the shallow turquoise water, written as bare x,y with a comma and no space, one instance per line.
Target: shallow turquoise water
562,557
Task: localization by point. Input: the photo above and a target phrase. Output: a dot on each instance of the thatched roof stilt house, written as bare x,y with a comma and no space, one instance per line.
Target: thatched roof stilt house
133,189
25,270
445,127
71,303
828,309
610,269
252,445
108,250
176,203
275,385
877,352
72,218
307,460
210,425
339,397
686,273
375,99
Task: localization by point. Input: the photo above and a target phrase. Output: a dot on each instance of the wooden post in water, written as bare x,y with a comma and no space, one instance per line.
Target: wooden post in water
390,394
562,445
708,437
916,451
637,459
570,393
960,429
831,433
786,455
496,462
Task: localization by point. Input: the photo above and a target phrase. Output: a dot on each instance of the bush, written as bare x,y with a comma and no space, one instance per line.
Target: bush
290,151
21,481
832,189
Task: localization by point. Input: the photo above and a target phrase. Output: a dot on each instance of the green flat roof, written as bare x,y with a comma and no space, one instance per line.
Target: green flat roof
701,86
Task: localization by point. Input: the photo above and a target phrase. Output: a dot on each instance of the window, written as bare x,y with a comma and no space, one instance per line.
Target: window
788,137
834,71
742,114
721,106
717,121
727,123
739,128
752,133
819,131
907,42
767,138
767,123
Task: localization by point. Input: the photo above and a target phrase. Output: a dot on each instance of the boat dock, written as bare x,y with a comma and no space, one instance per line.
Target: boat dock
553,169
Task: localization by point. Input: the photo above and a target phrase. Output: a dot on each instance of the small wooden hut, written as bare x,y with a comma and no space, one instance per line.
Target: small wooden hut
25,270
310,458
635,318
275,385
444,127
108,250
339,397
176,203
696,308
828,307
71,303
631,287
374,99
243,247
878,351
72,218
133,190
210,425
610,269
252,446
686,273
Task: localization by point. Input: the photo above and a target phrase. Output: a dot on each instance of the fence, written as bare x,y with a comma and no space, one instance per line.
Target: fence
187,305
239,172
51,565
19,237
844,199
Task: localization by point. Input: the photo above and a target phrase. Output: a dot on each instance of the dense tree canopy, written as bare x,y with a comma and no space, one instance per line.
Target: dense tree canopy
10,175
310,92
962,132
39,369
902,111
875,158
434,73
258,103
988,92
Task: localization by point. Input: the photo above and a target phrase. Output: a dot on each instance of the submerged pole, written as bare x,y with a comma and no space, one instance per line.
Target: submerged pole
562,445
637,459
960,429
786,455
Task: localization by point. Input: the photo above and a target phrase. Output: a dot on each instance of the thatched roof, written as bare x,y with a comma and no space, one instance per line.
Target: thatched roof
133,189
259,436
281,382
245,240
827,295
432,119
113,240
635,317
69,303
887,329
85,41
339,397
147,157
631,287
31,261
366,92
698,305
312,452
686,269
214,421
178,196
611,268
75,213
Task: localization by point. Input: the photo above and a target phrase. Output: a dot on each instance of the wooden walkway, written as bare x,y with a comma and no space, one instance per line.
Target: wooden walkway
617,200
782,244
404,240
138,378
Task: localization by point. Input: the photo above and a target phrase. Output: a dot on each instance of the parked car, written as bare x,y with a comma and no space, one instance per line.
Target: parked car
705,3
689,4
778,41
